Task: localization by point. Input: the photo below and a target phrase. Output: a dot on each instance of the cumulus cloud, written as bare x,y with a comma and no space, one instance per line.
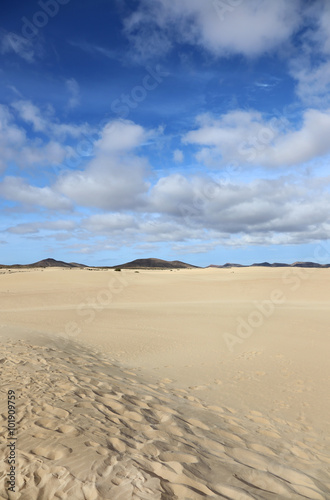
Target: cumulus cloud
182,208
12,138
310,66
17,148
36,227
198,210
313,84
31,114
322,32
116,177
110,222
47,147
222,28
16,189
262,206
106,183
121,136
250,139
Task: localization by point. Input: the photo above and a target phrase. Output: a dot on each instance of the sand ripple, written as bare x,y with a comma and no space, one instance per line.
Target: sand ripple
90,430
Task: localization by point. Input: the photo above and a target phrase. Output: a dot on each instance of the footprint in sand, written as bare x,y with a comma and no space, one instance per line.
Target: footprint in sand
102,451
56,412
47,423
198,387
39,435
116,444
93,444
149,450
68,429
52,453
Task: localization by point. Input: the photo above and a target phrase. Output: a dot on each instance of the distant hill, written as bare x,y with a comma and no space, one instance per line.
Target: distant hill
152,263
309,264
275,264
46,263
228,265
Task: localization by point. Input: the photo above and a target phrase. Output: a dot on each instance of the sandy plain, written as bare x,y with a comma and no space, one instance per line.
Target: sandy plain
158,384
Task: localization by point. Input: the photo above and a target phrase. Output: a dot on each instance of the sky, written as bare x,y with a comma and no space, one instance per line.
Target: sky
193,130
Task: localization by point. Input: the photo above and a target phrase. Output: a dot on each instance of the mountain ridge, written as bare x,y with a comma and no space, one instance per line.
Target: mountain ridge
154,263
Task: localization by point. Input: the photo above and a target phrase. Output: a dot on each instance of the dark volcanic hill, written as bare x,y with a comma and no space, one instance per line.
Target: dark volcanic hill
51,263
308,264
227,265
46,263
152,263
275,264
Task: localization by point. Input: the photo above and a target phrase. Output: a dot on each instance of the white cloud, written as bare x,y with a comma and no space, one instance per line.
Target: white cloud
107,183
178,156
262,209
194,248
36,227
120,136
17,148
197,210
310,66
31,114
247,138
47,146
171,194
249,28
44,121
115,178
5,122
313,84
322,35
74,91
16,189
109,222
12,138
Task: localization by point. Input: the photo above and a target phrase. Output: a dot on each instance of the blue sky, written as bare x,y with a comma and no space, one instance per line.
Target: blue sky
195,130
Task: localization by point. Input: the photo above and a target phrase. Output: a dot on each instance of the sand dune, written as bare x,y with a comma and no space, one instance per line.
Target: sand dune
127,387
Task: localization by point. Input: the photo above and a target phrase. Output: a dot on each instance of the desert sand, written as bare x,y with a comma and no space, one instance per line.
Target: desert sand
191,384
